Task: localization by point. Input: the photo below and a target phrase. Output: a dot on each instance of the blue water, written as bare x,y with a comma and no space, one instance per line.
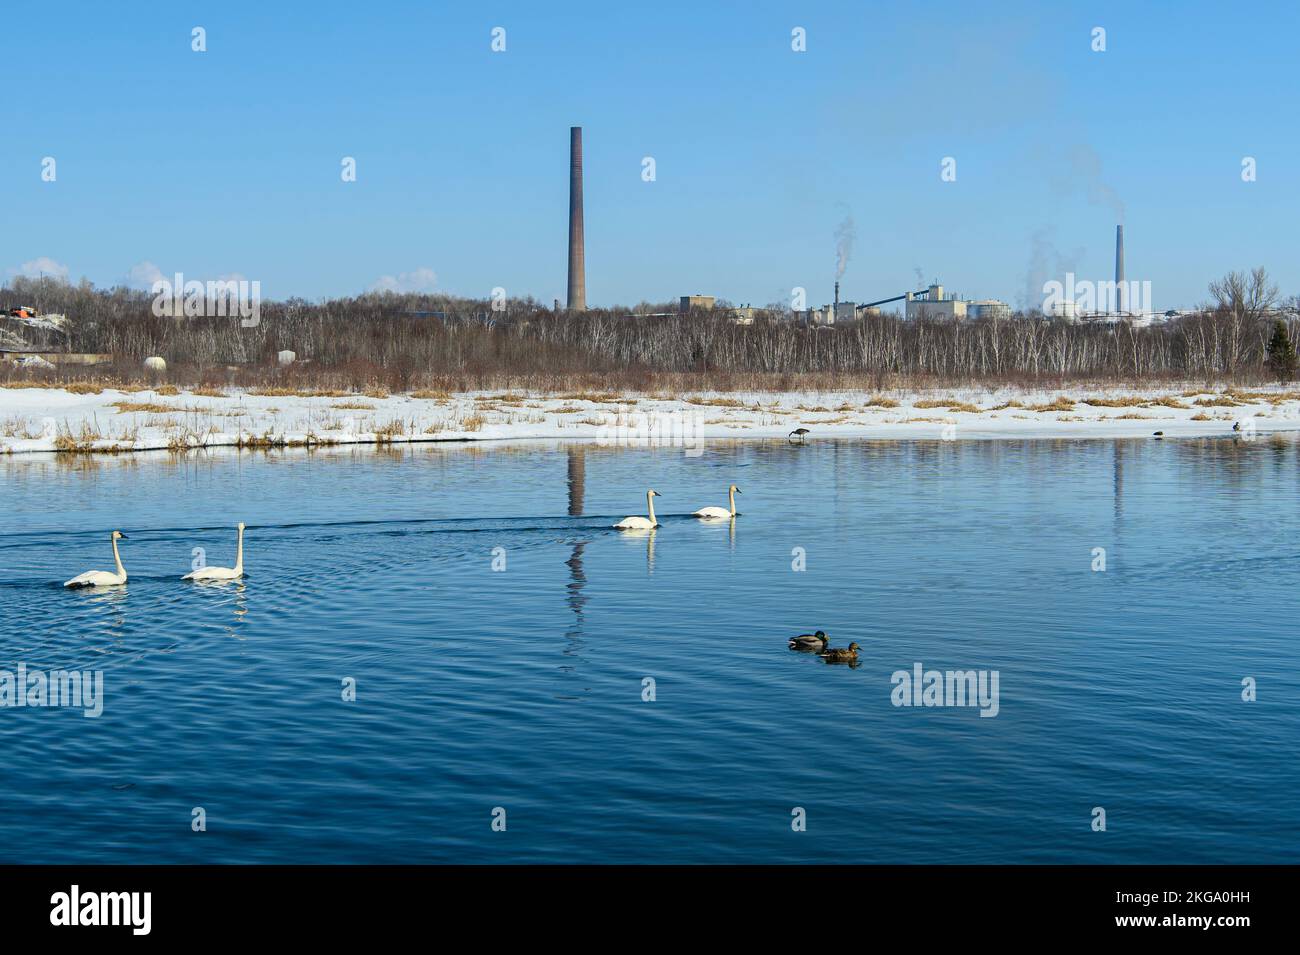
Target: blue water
522,689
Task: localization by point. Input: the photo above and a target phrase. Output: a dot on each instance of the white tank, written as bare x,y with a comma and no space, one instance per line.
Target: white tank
287,357
154,363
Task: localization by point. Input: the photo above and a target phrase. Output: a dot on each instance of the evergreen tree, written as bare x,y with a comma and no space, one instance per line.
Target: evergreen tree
1281,352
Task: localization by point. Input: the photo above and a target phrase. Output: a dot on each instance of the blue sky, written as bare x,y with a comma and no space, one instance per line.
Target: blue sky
227,162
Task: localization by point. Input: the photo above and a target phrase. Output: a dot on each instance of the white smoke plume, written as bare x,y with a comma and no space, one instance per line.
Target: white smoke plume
845,235
1085,171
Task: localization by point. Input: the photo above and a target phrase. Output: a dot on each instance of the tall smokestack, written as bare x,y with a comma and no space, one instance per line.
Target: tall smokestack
1119,268
577,263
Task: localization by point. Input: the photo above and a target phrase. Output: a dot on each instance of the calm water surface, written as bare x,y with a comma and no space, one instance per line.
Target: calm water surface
522,688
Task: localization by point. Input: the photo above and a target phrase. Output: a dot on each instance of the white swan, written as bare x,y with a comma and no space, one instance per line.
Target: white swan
223,573
720,512
102,578
641,523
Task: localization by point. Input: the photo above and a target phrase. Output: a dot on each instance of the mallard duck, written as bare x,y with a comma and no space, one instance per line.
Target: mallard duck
810,641
841,654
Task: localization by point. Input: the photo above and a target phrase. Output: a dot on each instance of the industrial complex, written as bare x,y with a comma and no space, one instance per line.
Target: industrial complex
1109,302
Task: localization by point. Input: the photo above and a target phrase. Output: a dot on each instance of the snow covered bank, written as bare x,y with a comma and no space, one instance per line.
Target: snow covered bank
53,419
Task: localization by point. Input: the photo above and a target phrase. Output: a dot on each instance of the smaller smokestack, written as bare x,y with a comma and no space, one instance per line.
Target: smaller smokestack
836,314
1119,268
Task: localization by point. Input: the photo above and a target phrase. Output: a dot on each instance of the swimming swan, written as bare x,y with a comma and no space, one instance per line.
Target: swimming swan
641,523
223,573
720,512
102,578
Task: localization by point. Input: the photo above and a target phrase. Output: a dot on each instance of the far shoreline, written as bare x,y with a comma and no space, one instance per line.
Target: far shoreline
133,420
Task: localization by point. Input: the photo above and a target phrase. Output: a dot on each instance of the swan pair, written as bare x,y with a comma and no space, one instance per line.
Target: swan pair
103,578
645,524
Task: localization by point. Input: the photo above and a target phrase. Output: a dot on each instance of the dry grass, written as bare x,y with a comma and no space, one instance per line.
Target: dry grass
353,406
1060,403
964,406
431,395
1167,401
598,397
933,402
1272,397
84,440
18,428
1218,401
1008,404
278,392
474,422
880,401
394,429
205,392
1133,416
725,403
1128,401
142,407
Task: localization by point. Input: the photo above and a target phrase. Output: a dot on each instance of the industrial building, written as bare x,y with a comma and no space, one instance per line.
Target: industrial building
931,303
692,302
989,308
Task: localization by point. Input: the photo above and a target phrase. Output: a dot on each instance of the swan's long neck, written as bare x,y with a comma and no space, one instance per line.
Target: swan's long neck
117,559
239,553
650,504
731,495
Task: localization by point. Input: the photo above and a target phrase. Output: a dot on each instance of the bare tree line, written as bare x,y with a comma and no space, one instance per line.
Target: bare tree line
412,341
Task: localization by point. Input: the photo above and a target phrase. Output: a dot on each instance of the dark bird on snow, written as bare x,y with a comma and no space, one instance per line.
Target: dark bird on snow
798,432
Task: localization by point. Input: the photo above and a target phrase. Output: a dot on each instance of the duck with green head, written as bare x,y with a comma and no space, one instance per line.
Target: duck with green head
810,642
